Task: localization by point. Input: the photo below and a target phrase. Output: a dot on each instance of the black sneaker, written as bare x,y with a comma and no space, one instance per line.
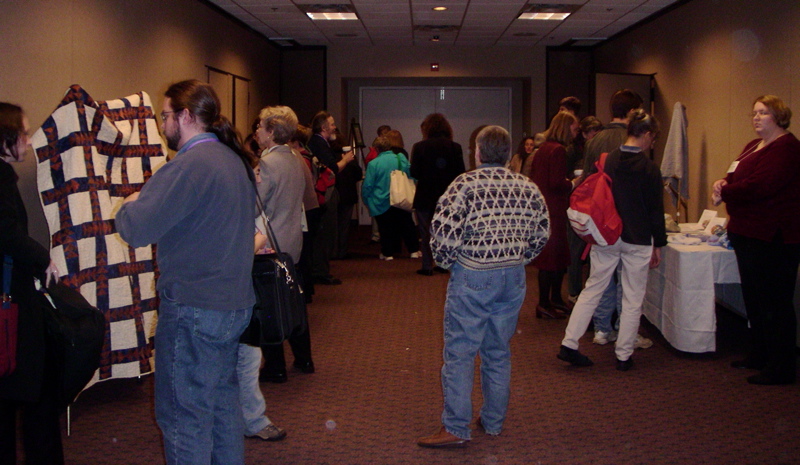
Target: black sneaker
624,365
574,357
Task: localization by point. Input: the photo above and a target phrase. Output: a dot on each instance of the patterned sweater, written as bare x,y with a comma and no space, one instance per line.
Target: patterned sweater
489,218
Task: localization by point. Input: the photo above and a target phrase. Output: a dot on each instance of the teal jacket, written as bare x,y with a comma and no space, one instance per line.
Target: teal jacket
375,190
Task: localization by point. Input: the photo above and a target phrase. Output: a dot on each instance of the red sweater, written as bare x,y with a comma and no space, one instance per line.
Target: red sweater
763,194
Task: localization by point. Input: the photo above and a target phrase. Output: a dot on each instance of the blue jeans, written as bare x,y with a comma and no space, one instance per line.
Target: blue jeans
196,390
610,303
250,395
480,316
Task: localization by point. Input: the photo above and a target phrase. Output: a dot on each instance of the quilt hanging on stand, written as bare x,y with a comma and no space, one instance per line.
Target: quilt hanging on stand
91,155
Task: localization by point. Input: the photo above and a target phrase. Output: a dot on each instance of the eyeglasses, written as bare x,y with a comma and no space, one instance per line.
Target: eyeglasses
761,113
164,115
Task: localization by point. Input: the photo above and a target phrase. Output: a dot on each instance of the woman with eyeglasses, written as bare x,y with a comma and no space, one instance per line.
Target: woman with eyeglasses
762,196
31,387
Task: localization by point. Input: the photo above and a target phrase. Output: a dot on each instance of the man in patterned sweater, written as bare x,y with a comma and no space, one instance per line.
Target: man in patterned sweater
488,225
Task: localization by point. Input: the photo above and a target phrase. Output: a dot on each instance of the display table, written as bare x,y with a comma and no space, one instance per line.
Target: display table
680,298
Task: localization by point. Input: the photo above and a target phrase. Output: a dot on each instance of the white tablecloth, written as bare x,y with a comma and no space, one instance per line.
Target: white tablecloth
680,297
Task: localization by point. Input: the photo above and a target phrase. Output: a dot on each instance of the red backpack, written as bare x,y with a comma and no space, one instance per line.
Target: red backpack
592,213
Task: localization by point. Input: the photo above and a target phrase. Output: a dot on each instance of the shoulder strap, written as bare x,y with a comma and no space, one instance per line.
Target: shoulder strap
608,163
267,226
8,264
601,163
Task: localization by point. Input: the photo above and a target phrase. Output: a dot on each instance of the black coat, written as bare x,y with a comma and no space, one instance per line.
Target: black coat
30,259
435,162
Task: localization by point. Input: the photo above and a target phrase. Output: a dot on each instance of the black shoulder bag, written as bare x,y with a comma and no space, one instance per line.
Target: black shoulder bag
280,308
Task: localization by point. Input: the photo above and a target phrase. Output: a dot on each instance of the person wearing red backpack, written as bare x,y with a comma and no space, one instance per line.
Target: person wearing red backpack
611,137
636,186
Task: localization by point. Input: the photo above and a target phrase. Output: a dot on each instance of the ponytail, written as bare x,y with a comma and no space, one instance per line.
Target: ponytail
228,135
640,122
202,101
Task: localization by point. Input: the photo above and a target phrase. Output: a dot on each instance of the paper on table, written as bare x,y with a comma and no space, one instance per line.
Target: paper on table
716,221
706,218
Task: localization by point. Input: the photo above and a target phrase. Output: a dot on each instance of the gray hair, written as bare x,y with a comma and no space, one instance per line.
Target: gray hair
281,120
494,145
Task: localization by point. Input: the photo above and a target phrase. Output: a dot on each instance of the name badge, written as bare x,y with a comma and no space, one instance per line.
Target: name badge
733,166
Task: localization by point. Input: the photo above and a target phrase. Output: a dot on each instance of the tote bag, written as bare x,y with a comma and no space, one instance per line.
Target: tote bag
401,189
77,331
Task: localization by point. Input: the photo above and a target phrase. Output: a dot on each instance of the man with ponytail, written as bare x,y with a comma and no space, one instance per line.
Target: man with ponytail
199,209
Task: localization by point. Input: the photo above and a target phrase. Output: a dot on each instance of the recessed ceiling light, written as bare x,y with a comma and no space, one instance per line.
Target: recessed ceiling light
545,16
547,11
439,8
329,12
332,16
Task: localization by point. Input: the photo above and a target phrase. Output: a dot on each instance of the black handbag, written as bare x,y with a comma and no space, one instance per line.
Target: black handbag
280,308
76,330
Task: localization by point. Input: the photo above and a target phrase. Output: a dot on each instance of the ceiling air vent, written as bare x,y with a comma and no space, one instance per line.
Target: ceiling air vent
436,29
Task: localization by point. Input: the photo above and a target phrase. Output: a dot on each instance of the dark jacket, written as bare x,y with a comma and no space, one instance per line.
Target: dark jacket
30,259
347,183
435,163
636,185
321,149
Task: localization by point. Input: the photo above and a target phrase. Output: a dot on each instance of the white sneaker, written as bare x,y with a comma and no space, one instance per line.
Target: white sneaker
416,255
384,257
603,338
642,342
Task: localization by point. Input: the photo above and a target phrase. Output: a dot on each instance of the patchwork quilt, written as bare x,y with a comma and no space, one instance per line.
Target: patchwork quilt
91,155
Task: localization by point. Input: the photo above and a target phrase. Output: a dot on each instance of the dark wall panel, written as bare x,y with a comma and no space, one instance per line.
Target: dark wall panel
303,81
569,72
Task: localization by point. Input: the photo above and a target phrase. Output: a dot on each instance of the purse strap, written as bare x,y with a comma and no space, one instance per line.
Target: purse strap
262,209
8,265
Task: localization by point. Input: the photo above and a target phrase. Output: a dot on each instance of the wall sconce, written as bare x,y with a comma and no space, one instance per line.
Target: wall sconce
434,66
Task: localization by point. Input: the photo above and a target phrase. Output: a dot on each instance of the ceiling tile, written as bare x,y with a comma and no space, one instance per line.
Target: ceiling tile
481,22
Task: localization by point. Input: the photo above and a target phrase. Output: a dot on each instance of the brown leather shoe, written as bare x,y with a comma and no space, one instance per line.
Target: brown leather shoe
442,439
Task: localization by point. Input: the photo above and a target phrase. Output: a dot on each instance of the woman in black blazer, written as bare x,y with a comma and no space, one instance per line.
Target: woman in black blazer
435,162
31,387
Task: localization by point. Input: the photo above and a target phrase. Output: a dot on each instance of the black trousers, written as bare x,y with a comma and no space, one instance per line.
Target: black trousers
396,227
41,429
769,272
275,359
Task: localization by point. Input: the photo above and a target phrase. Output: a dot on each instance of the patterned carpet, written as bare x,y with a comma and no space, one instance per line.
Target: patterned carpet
377,342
